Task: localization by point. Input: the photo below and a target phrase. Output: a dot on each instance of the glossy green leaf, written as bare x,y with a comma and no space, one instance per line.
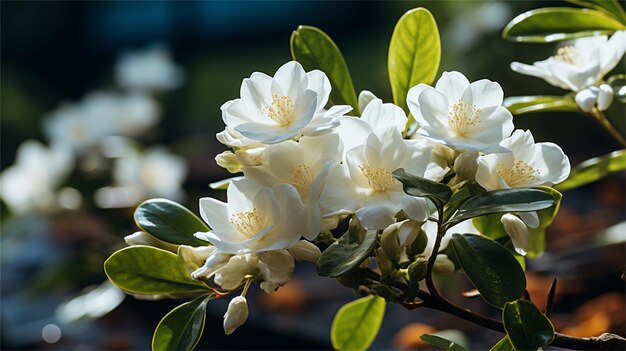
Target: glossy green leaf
503,345
417,186
526,327
182,327
466,192
594,169
441,343
559,23
490,267
345,254
502,201
490,226
610,7
414,53
357,323
315,50
170,221
537,236
147,270
519,105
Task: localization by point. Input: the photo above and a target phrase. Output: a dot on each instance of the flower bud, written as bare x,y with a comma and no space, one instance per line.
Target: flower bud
586,98
228,160
356,230
605,97
365,97
443,265
518,232
250,157
305,251
141,238
236,315
408,232
389,241
465,165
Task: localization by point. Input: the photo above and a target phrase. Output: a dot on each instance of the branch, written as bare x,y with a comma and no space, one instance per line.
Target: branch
599,117
441,231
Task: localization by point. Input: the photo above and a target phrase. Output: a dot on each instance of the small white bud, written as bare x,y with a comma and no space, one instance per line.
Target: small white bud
365,97
228,160
250,157
466,165
236,314
531,219
408,232
443,265
389,241
214,262
305,251
141,238
605,97
518,232
586,99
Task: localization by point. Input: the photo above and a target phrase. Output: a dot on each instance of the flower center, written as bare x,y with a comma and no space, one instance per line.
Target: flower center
462,116
520,173
379,178
280,111
568,54
247,223
301,179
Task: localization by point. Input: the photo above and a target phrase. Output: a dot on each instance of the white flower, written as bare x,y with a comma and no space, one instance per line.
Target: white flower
459,114
156,172
517,230
304,165
430,228
600,97
274,109
527,165
236,314
580,65
30,182
364,184
255,218
272,268
148,69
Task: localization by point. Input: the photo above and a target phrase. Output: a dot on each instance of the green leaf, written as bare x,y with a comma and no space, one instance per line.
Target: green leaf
490,226
182,327
503,345
422,187
526,327
357,323
170,221
490,267
593,170
441,343
315,50
147,270
610,7
345,254
467,191
559,23
519,105
502,201
414,53
537,236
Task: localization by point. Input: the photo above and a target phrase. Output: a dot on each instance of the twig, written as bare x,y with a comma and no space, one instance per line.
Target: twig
441,231
550,300
599,117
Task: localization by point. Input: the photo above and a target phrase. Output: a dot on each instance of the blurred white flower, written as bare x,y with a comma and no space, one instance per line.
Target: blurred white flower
29,184
150,69
579,65
274,109
155,173
527,165
236,314
461,115
255,219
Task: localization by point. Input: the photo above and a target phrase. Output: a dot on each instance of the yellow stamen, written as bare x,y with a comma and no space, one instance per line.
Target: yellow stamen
379,178
247,223
462,116
281,110
520,173
301,179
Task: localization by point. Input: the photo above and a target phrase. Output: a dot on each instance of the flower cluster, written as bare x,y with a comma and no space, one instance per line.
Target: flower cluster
307,168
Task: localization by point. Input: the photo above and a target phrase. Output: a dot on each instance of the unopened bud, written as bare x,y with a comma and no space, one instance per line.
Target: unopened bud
443,265
305,251
466,165
605,97
356,230
408,232
250,157
236,315
417,269
228,160
141,238
389,241
586,98
518,232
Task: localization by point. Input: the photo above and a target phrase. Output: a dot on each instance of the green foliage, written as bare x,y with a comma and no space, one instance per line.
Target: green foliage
559,23
148,270
490,267
182,327
519,105
315,50
502,201
594,169
169,221
526,327
345,254
503,345
417,186
467,191
610,7
357,323
537,236
441,343
414,53
417,272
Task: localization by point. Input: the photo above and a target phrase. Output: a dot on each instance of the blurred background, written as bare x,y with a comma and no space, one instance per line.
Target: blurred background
85,137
